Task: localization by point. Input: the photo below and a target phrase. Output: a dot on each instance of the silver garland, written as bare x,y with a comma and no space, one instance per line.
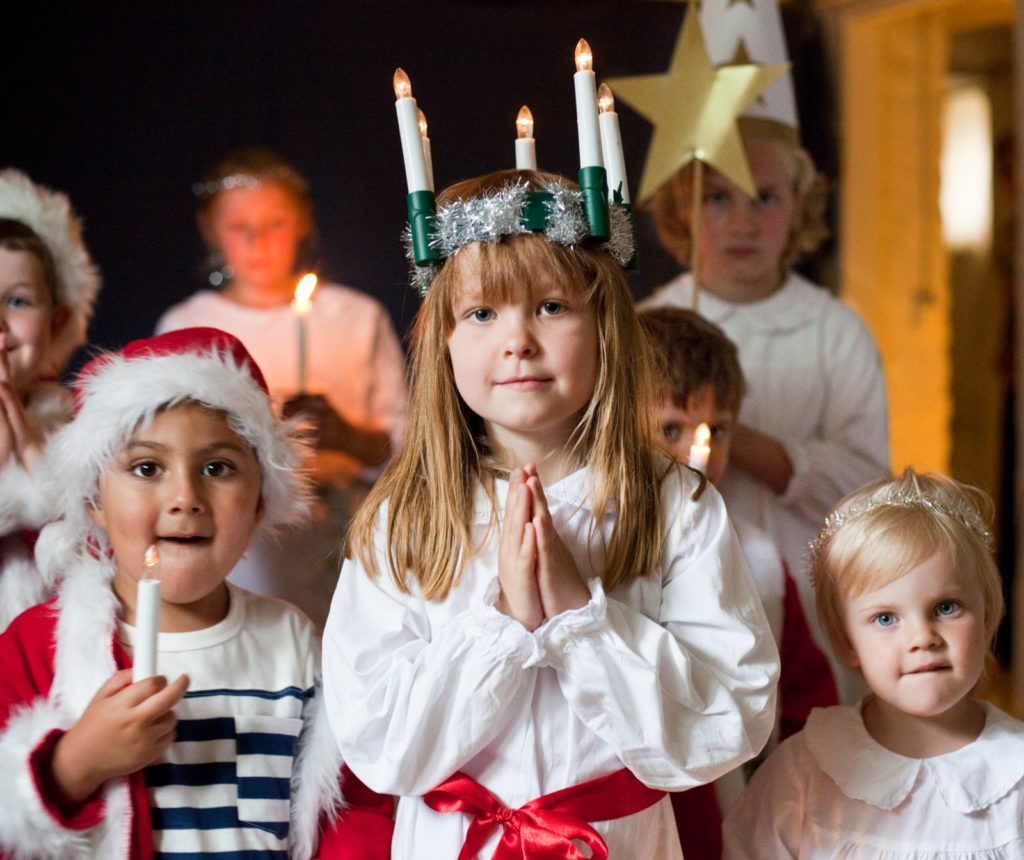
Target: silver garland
499,213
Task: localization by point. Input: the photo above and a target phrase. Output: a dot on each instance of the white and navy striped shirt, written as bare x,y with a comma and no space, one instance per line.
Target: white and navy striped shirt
223,787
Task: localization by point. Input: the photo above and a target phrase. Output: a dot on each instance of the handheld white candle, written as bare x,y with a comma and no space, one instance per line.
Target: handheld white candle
586,106
302,303
147,617
611,144
427,158
700,450
409,130
526,148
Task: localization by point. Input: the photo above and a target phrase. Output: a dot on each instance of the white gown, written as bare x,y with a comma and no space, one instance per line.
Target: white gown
672,676
832,791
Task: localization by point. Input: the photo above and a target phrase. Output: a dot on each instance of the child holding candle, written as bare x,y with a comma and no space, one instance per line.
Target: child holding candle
704,385
813,426
907,589
47,285
528,644
174,446
255,215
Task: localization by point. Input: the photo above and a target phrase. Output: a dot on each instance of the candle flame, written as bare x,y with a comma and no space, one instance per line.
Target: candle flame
584,56
150,562
524,122
605,99
303,300
422,121
402,84
702,435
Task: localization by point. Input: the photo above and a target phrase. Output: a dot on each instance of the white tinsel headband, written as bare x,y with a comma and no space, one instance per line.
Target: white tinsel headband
964,513
514,210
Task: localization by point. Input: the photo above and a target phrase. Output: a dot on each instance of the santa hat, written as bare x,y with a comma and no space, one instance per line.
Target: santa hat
115,392
752,33
50,216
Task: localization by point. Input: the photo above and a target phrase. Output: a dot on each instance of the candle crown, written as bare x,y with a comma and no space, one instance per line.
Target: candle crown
422,122
584,56
402,84
524,122
605,99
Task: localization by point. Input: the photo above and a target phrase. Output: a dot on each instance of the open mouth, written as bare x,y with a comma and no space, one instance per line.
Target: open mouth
184,540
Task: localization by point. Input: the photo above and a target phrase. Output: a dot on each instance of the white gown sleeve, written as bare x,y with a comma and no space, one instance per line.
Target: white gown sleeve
687,696
851,446
410,701
768,819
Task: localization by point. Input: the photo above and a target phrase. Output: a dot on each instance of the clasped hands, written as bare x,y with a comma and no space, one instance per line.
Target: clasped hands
19,439
537,574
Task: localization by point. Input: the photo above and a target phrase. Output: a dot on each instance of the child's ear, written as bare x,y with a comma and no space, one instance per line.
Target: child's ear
97,515
59,320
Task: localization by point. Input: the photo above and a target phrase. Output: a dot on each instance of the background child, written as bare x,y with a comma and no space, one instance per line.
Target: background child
174,445
703,383
813,426
256,217
521,614
47,287
908,592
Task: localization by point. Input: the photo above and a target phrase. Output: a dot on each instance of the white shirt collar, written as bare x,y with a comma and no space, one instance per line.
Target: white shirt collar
969,779
795,304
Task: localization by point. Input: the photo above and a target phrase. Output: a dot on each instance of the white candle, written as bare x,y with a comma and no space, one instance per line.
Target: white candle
700,450
611,144
526,146
147,617
302,303
428,160
586,107
409,128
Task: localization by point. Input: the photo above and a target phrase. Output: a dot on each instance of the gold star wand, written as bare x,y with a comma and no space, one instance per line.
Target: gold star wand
694,107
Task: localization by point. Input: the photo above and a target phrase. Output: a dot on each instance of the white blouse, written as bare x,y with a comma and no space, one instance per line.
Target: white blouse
672,676
833,791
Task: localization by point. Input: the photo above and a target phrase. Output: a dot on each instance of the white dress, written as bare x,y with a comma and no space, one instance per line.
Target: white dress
355,360
814,383
832,791
671,676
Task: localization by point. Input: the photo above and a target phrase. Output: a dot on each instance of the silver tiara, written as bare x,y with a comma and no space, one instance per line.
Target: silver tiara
515,210
241,180
963,513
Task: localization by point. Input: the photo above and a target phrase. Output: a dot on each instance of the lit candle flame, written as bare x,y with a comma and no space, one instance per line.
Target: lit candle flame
702,435
524,123
402,84
584,56
303,300
605,99
422,123
151,563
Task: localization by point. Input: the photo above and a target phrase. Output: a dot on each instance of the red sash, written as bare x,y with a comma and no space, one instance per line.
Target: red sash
543,828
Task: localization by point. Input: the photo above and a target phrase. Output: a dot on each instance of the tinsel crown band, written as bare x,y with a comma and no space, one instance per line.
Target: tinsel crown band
515,210
964,513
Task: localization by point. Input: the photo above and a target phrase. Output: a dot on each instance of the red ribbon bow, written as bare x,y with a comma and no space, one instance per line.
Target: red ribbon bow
543,828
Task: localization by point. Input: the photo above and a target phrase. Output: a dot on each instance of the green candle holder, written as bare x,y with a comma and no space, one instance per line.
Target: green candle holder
594,187
421,208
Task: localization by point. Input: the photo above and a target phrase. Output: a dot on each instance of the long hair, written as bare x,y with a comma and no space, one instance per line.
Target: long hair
423,503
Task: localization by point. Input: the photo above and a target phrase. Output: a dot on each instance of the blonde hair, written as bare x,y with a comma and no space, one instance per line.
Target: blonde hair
886,528
672,204
426,495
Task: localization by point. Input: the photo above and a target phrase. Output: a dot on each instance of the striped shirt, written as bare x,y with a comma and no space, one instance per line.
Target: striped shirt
223,787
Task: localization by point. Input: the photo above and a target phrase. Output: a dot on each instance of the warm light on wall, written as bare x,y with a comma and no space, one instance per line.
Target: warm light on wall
966,169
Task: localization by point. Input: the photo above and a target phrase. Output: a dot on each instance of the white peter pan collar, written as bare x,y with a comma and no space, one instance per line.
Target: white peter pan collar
796,304
969,779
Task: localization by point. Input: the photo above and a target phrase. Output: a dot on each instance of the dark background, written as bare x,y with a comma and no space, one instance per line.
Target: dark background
125,105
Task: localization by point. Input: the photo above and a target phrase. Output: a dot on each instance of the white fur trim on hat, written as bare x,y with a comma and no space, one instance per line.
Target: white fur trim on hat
50,215
121,393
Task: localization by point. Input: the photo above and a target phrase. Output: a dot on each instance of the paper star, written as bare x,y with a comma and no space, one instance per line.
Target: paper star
693,108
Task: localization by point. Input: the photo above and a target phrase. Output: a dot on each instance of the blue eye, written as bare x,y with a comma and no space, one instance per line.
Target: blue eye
884,619
671,432
17,301
947,608
552,307
482,315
